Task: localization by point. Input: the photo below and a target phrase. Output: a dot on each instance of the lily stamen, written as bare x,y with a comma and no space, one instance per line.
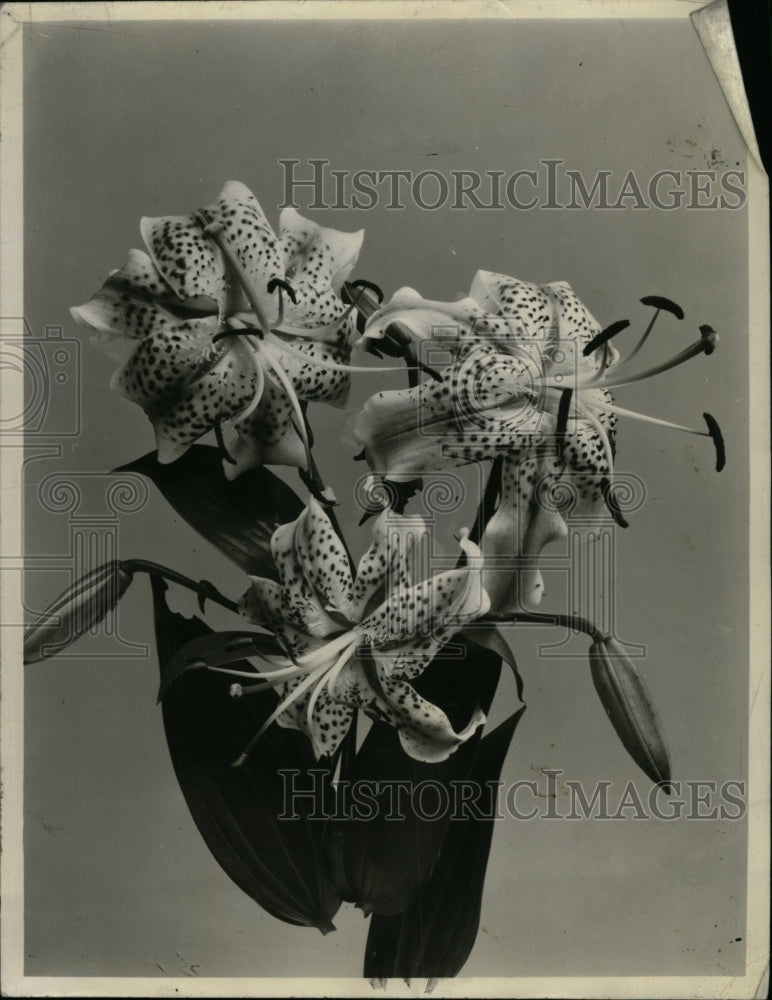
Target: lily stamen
611,503
705,345
227,457
713,431
564,407
659,303
299,691
335,367
281,285
327,651
604,336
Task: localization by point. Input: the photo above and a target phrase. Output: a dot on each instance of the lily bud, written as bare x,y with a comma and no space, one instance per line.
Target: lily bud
76,611
629,707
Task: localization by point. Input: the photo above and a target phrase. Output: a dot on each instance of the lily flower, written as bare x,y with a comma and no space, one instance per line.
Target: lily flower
529,381
357,641
221,320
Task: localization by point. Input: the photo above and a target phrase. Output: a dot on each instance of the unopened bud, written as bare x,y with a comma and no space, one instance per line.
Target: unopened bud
76,611
630,708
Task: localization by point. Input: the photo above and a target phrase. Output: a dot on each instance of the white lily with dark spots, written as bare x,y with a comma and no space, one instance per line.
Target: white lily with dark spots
223,320
528,382
356,641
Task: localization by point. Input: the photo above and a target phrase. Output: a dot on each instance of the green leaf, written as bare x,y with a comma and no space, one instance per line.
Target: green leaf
240,811
435,935
216,650
237,517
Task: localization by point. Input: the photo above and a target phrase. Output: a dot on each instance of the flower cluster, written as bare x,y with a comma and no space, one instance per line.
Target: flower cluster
223,325
226,322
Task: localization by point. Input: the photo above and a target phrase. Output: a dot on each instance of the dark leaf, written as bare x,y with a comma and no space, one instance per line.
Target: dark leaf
491,638
217,649
434,937
237,517
240,812
386,857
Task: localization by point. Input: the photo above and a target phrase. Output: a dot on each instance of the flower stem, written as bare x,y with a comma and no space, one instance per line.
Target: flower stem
313,480
204,589
574,622
487,506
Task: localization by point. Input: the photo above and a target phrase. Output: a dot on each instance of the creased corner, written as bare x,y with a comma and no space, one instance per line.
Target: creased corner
714,27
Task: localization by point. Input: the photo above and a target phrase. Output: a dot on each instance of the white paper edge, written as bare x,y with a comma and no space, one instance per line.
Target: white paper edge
754,982
714,27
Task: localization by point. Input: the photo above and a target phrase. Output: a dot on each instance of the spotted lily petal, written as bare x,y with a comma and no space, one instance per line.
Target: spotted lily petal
425,731
193,265
523,524
478,411
551,312
185,383
267,436
323,557
313,571
133,301
397,558
409,628
329,720
426,319
315,257
313,380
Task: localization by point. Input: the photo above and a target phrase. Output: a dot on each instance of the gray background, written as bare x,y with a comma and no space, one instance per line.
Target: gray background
128,120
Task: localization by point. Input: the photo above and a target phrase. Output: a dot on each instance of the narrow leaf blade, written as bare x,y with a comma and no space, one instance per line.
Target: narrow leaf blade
386,857
214,650
435,935
277,859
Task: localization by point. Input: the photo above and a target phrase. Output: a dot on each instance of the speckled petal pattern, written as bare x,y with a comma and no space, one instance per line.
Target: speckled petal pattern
191,262
185,384
398,557
316,257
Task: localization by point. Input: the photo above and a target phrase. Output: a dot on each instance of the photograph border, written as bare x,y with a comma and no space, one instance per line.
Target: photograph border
724,60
